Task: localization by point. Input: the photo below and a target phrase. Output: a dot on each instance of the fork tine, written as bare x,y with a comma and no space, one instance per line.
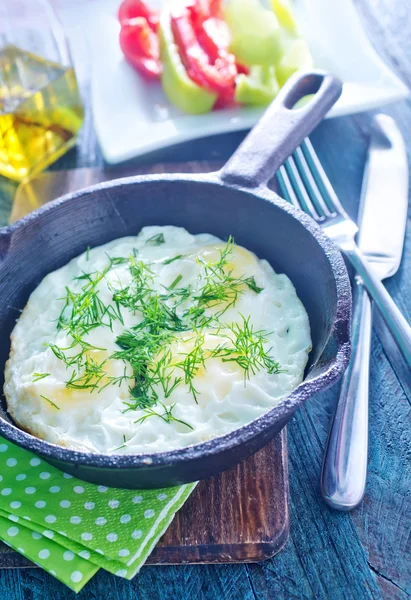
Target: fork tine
311,185
300,191
321,179
286,187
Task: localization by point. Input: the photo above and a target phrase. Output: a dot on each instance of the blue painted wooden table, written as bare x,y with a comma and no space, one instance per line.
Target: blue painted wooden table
365,554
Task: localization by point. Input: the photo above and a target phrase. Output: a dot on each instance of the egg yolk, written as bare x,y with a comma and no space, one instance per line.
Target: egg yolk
192,359
66,395
237,260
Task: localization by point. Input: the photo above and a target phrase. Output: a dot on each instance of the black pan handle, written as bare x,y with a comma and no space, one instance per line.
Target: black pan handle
282,128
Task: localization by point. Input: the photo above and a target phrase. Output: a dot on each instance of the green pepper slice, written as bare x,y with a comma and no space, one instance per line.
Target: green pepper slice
178,87
259,87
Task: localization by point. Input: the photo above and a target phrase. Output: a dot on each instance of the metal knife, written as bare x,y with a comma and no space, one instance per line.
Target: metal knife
382,222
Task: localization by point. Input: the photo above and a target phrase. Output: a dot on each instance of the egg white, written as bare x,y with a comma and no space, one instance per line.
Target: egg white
96,421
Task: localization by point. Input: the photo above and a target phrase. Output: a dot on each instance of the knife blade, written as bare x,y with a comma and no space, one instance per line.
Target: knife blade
382,221
382,216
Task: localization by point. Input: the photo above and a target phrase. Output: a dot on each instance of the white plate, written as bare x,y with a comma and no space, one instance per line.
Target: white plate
133,117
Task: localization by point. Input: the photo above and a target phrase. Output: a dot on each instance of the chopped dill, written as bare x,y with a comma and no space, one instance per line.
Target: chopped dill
87,253
245,347
192,362
123,445
111,380
156,240
153,364
250,282
170,260
90,378
175,282
50,401
167,415
38,376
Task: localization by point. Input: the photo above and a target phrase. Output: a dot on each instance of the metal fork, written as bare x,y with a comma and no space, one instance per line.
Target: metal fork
305,184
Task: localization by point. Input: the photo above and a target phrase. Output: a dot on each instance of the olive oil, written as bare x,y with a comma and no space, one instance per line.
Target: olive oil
40,112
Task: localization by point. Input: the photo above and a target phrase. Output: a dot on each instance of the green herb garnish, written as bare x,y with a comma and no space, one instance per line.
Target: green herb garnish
250,282
175,282
246,347
38,376
156,240
170,260
153,366
50,401
167,415
123,445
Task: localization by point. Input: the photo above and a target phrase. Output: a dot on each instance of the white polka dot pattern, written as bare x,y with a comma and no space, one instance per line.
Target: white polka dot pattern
121,573
14,518
50,519
136,534
62,524
125,518
48,534
75,520
76,576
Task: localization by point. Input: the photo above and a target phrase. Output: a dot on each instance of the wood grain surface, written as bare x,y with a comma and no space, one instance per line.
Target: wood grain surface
362,555
241,515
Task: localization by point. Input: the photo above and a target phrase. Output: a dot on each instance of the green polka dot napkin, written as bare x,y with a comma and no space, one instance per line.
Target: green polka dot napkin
71,528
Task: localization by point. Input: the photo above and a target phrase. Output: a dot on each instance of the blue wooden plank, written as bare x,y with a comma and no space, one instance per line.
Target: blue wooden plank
329,555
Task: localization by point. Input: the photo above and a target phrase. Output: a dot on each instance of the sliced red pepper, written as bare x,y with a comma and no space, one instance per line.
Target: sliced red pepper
131,9
214,68
140,46
243,69
225,99
205,9
214,37
217,31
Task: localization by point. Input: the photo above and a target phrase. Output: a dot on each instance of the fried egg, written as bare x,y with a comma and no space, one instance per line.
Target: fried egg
155,342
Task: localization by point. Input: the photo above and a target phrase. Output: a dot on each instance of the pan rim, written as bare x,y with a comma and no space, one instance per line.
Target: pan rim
230,440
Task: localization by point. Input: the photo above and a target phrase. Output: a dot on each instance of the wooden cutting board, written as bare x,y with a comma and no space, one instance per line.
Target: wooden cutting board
240,515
